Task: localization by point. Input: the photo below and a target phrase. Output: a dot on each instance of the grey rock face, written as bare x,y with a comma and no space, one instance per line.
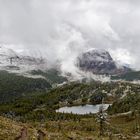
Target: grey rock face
99,62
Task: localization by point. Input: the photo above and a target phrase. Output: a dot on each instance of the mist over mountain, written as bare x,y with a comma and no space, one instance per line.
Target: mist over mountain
15,62
69,69
93,64
100,62
61,30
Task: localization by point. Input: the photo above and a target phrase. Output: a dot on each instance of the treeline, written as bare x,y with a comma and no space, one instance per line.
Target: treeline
36,108
130,102
13,86
42,105
129,76
52,75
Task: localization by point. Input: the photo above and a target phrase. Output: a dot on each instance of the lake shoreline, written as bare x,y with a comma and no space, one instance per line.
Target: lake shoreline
83,109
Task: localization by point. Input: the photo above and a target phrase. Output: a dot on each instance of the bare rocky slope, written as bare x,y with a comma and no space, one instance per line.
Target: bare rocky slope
100,62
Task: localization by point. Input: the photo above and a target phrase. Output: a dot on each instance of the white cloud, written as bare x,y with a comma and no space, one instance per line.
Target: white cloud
122,56
63,28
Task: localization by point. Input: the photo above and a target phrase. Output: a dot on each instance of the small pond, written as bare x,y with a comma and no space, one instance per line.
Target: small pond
81,110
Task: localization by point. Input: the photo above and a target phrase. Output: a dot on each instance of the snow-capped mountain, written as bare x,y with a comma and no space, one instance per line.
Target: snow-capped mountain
7,56
99,62
14,62
95,61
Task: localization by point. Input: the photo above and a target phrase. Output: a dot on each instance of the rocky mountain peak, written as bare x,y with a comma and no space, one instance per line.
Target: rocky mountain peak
7,52
99,62
97,55
10,60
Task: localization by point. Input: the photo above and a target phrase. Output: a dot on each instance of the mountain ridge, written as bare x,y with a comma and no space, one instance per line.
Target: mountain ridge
100,62
95,61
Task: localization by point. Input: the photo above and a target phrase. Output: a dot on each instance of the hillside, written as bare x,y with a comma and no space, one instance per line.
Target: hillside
53,76
130,76
130,102
13,86
41,106
37,112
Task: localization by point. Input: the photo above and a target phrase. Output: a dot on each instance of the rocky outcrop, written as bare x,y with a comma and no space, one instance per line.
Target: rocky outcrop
99,62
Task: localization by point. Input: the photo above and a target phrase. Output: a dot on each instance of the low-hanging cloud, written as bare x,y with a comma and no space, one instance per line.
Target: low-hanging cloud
61,29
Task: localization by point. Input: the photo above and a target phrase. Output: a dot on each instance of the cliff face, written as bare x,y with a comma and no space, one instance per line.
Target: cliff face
99,62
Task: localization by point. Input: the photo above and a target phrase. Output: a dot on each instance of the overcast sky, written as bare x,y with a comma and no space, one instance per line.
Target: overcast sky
61,29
